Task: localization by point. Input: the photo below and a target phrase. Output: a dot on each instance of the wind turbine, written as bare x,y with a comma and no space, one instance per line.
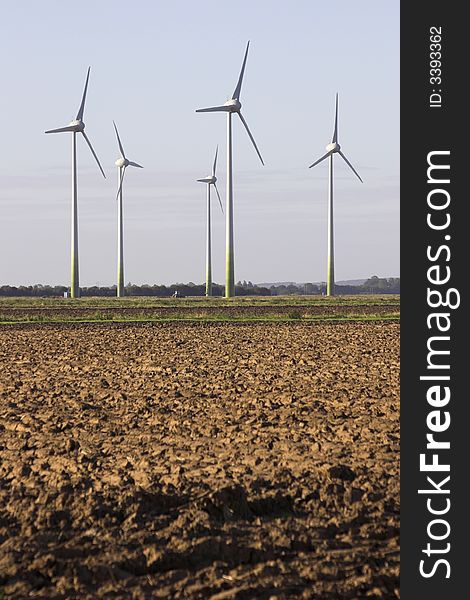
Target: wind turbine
232,106
76,126
122,163
210,180
331,149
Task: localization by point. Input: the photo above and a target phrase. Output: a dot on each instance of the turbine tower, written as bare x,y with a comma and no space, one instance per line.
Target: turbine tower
232,106
331,149
76,126
122,163
210,180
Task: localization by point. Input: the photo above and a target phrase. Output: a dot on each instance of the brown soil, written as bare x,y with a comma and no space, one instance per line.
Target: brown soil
199,461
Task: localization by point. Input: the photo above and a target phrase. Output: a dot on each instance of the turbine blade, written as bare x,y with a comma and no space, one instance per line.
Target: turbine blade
134,164
121,149
335,132
213,109
218,196
61,129
215,161
320,159
82,105
352,168
93,152
236,93
251,137
120,182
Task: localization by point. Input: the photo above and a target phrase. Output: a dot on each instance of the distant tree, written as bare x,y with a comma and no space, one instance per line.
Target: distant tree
310,289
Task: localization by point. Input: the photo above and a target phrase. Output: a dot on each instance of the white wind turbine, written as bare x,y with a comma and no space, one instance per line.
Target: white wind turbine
122,163
232,106
76,126
332,149
210,180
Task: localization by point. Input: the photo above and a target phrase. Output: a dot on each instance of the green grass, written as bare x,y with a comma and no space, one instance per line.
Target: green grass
155,302
197,309
218,318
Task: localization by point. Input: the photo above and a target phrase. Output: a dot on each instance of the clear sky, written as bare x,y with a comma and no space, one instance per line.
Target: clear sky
152,64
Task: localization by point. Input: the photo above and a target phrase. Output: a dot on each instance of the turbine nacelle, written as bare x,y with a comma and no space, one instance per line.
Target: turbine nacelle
122,162
211,179
77,124
333,147
233,105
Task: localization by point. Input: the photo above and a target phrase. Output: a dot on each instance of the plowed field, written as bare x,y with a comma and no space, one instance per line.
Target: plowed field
199,460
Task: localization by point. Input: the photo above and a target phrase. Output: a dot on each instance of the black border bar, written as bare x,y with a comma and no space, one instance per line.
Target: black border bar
434,255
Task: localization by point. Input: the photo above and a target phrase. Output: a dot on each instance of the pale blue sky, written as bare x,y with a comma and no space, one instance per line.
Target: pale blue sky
152,64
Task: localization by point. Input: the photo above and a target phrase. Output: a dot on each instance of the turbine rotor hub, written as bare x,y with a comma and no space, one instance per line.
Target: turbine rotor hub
333,147
77,124
122,162
233,105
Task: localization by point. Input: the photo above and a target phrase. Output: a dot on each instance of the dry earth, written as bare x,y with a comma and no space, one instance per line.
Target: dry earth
199,461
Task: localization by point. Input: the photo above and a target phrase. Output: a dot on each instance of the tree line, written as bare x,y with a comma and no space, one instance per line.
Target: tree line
374,285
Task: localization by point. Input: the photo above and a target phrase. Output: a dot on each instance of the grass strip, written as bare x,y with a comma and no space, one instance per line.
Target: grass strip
36,320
